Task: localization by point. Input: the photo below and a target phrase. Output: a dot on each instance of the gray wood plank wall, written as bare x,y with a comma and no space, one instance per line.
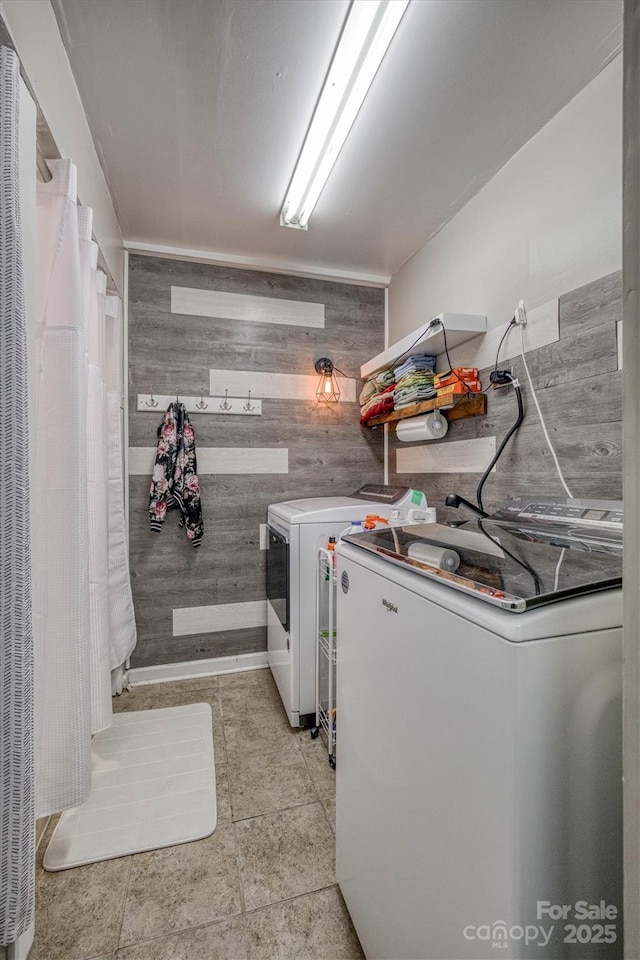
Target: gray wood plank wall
329,454
579,389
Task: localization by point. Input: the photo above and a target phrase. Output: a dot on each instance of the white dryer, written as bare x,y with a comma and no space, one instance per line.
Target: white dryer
297,528
479,789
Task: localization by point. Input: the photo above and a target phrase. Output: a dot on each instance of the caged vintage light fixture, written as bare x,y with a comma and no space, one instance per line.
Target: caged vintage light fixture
328,390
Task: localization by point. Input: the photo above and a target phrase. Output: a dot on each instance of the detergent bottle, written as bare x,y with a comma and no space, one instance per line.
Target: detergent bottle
356,527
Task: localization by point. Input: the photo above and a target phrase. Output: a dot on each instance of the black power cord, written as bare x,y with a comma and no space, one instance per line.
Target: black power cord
511,323
505,439
393,362
537,584
468,392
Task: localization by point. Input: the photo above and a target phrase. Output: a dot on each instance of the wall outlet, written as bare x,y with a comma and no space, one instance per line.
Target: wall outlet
520,315
500,378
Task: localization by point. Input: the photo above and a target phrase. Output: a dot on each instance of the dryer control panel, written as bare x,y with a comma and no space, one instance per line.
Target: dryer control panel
409,506
381,493
600,514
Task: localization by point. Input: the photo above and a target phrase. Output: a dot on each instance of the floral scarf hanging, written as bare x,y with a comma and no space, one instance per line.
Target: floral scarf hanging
174,483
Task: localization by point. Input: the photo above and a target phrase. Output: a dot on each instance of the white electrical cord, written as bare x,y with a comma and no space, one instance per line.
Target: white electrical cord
557,576
542,423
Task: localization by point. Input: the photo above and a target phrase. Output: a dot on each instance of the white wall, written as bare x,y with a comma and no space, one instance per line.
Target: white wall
34,31
548,222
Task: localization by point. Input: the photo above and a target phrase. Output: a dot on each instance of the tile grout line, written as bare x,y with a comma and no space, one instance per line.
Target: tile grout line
321,799
296,896
243,905
236,845
291,806
124,902
308,766
164,936
174,933
275,750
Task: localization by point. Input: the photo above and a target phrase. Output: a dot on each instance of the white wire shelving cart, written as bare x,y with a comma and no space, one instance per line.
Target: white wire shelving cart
326,653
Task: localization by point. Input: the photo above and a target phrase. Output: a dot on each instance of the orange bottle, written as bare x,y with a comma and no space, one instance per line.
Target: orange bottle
331,546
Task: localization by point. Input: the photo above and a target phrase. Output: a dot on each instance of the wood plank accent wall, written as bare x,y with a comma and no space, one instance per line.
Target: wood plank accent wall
579,388
235,460
328,453
282,386
240,306
463,456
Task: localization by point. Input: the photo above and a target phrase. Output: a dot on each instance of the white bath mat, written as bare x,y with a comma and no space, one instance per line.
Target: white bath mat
153,785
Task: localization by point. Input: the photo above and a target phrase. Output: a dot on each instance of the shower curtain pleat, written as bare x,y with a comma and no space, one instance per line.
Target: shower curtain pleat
84,613
60,517
98,503
17,808
122,618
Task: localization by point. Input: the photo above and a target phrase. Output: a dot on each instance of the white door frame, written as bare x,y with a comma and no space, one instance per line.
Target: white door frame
631,314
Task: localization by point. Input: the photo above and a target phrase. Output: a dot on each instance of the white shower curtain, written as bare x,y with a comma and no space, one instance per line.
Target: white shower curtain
84,620
121,615
60,518
98,503
16,637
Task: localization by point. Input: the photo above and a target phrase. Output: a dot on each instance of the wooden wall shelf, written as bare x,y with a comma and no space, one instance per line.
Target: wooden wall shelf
458,409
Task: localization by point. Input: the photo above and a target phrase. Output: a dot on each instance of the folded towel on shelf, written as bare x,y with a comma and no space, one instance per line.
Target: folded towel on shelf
406,384
376,384
409,397
385,377
380,403
422,361
383,404
419,387
387,392
414,385
369,390
419,378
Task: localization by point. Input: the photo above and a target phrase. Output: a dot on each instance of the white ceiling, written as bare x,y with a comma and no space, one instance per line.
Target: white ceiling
198,109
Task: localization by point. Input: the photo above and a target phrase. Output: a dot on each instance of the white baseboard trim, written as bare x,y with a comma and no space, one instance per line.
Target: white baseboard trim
189,669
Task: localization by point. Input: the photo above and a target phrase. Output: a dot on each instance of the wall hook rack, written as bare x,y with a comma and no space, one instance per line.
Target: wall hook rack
151,402
216,406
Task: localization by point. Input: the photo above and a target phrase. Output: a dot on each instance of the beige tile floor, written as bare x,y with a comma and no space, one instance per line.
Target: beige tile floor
261,886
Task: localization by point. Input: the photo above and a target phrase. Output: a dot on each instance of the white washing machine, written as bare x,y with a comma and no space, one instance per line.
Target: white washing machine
479,788
297,528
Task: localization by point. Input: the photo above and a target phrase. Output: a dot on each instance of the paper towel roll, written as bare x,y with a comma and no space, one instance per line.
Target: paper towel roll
426,427
438,557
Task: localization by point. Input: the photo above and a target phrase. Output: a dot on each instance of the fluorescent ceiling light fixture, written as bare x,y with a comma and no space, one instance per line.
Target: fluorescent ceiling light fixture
366,35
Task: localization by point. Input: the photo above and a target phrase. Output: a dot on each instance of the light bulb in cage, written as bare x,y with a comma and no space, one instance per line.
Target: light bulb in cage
328,390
